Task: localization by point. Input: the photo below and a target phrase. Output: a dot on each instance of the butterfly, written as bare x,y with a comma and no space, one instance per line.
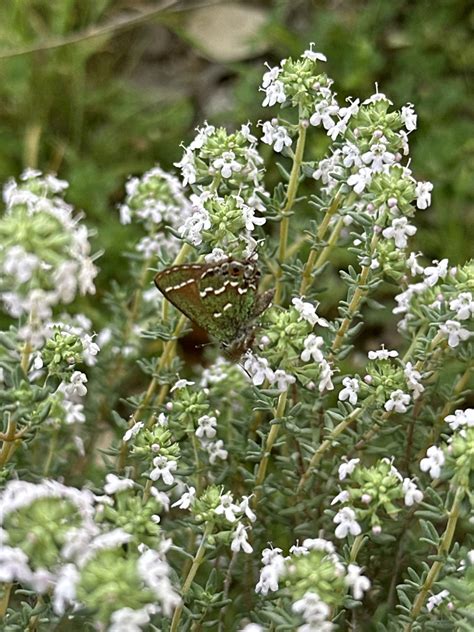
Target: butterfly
220,297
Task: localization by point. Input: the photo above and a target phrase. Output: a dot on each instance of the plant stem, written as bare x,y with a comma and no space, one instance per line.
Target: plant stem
191,574
272,436
443,549
359,294
325,445
290,199
8,442
313,255
167,354
5,598
356,547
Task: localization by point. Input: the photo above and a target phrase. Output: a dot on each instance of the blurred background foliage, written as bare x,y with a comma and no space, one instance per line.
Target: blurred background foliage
96,90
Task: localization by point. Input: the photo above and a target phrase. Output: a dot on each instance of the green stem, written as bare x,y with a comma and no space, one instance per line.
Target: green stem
167,354
356,547
191,574
290,200
443,550
326,445
8,446
272,436
313,255
359,294
5,599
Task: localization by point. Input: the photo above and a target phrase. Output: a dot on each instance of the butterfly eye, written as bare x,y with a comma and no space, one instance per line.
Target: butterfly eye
235,269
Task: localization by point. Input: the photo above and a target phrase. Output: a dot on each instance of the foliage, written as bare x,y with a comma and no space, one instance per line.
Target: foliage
141,488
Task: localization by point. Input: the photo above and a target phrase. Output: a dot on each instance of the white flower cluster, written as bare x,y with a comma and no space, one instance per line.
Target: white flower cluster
261,373
230,159
45,251
157,201
346,517
456,309
233,512
312,609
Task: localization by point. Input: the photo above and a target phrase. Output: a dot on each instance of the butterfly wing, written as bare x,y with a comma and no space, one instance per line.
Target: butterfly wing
219,297
179,285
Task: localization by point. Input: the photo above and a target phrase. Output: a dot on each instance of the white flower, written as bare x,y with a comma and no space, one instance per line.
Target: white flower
245,508
437,271
65,588
346,469
270,574
76,386
276,135
203,133
312,609
74,413
313,55
246,133
13,565
463,305
283,380
163,469
270,76
268,580
258,369
227,164
378,96
20,264
307,311
312,346
357,582
413,380
133,431
423,194
206,427
358,181
413,265
227,507
435,600
128,620
399,231
382,354
250,219
411,492
454,332
154,570
409,117
324,113
181,384
325,375
240,540
252,627
377,157
188,167
187,499
461,418
350,391
115,484
274,93
398,402
433,461
216,451
347,524
192,228
342,497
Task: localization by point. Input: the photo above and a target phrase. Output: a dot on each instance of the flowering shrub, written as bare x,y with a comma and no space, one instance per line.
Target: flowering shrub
319,482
